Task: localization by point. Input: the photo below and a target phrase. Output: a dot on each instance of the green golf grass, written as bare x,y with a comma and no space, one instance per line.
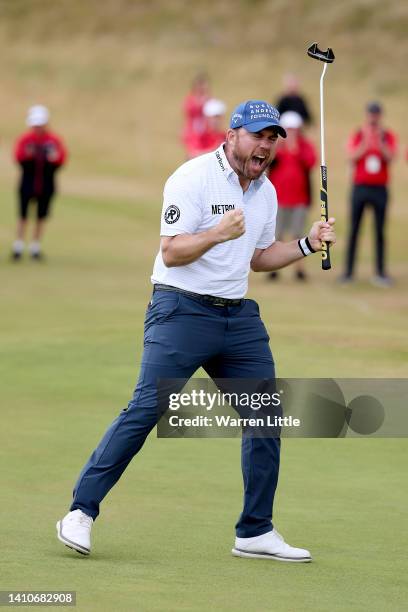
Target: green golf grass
71,332
114,75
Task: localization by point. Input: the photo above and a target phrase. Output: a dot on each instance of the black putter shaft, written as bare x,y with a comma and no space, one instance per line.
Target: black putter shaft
328,58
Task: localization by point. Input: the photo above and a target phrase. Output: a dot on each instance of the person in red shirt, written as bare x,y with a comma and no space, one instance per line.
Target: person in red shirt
39,153
214,130
370,150
290,175
194,120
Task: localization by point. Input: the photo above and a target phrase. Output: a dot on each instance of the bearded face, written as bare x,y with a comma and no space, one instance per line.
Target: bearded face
250,153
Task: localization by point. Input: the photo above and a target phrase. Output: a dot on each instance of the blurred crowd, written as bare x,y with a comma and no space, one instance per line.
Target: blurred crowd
370,150
40,153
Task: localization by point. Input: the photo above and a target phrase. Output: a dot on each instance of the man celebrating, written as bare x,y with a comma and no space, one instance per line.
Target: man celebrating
218,222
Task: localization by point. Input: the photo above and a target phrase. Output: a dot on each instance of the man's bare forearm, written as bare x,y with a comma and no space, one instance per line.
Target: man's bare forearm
357,153
278,255
387,152
183,249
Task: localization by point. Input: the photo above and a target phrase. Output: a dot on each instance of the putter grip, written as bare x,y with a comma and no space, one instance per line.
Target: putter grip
324,215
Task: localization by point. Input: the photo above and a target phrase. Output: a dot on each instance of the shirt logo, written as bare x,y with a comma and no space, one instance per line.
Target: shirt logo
219,159
171,214
263,111
220,209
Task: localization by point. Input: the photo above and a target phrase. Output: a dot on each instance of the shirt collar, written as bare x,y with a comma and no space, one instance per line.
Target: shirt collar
223,162
229,173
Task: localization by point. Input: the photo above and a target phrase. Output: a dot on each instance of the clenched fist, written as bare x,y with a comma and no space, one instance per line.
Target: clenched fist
231,226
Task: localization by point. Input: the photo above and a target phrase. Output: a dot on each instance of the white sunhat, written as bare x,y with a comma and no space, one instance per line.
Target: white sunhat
37,115
291,120
214,108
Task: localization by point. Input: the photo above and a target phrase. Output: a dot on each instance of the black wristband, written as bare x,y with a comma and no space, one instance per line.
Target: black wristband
305,247
309,246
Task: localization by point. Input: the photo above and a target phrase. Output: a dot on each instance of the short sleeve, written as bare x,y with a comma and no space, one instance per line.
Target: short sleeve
181,213
392,141
353,141
268,233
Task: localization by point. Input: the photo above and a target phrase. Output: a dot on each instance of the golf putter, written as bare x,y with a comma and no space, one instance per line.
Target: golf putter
328,58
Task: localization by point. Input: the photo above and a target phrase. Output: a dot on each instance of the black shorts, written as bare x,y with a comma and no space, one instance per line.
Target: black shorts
42,203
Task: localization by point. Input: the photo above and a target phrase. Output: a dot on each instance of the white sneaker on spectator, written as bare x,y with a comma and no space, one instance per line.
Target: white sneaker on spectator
270,545
74,530
381,281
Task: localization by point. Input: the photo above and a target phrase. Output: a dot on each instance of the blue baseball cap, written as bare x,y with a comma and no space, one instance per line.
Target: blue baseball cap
256,115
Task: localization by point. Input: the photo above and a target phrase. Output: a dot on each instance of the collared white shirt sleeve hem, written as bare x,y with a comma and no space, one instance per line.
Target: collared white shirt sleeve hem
181,212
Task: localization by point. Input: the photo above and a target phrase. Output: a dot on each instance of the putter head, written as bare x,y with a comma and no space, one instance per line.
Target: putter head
323,56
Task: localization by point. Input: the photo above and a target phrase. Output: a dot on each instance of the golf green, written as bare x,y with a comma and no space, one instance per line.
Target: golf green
71,332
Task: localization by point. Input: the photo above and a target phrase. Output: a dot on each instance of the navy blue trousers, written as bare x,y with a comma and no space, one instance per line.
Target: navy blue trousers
182,334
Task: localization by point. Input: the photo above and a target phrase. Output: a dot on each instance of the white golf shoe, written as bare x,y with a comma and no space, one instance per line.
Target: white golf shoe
270,545
74,530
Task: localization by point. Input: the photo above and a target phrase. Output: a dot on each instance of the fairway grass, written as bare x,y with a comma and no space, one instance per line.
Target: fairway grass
71,337
114,75
164,537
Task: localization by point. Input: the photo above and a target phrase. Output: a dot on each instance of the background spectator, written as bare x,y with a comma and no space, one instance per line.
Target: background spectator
290,175
214,130
39,153
194,120
292,100
370,149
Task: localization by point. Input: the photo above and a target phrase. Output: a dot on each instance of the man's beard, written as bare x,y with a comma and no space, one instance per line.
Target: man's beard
251,167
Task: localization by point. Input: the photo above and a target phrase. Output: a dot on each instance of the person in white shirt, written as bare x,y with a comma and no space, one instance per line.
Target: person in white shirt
218,222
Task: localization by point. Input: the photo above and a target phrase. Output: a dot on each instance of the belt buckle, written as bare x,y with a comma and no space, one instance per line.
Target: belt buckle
219,302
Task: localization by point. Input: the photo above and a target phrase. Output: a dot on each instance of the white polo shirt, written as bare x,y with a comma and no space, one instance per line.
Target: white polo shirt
195,198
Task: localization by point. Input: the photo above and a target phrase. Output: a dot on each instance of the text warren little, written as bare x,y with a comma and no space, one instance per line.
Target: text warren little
228,421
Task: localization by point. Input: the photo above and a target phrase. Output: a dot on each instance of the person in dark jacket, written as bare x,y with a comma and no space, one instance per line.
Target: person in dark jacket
40,153
292,100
